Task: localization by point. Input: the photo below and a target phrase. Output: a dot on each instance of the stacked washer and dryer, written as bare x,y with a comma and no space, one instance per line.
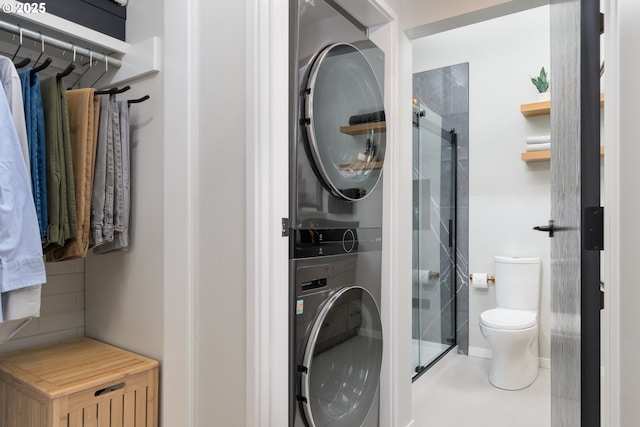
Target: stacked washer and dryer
337,142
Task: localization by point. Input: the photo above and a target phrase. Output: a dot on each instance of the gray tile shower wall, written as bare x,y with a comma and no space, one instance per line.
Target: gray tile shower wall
446,92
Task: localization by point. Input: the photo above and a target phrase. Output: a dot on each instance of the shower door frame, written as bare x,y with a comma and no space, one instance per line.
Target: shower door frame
452,137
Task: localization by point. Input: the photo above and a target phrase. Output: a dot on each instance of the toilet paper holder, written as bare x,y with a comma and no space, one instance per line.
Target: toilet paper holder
490,279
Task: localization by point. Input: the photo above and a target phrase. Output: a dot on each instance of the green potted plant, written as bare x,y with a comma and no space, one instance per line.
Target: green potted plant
541,82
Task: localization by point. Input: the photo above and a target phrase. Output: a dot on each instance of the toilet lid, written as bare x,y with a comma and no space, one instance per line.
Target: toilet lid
506,318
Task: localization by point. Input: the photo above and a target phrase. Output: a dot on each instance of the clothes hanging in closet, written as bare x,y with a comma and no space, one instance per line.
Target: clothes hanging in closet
19,305
34,118
103,180
84,112
13,91
108,199
61,198
122,188
21,263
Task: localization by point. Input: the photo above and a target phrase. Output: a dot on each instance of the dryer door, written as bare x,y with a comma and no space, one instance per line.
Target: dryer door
344,120
340,372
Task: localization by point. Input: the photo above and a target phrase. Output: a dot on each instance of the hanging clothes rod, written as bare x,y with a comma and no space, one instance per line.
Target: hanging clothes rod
52,41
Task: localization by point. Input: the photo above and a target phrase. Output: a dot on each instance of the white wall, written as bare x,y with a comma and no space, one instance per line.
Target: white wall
220,226
62,309
124,295
507,197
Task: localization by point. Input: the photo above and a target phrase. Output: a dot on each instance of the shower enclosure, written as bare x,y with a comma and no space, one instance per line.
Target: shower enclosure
434,238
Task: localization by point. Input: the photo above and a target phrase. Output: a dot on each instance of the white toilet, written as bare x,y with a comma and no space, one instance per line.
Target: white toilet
512,328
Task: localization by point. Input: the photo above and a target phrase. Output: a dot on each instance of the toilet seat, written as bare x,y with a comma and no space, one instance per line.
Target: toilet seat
509,319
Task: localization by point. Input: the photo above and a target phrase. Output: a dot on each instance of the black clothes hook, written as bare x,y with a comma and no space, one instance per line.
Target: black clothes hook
22,63
139,100
112,91
66,71
70,67
42,66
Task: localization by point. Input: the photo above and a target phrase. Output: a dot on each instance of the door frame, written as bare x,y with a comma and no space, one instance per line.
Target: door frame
611,410
266,55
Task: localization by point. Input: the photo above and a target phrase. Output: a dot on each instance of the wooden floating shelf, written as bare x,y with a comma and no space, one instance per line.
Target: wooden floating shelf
363,128
361,165
543,155
543,108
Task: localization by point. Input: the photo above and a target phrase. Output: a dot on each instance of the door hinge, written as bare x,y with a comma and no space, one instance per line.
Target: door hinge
285,227
593,228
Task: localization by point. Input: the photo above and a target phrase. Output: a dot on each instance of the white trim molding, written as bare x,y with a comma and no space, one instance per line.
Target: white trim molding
611,315
180,201
267,203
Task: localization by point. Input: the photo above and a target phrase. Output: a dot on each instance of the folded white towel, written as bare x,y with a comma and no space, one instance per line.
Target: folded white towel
539,147
538,139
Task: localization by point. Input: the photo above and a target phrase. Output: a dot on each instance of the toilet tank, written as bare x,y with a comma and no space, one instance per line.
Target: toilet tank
517,282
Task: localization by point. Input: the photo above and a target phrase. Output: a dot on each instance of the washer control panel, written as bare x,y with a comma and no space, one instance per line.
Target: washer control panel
324,241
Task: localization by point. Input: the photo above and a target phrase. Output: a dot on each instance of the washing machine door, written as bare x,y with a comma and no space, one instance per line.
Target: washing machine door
344,120
340,372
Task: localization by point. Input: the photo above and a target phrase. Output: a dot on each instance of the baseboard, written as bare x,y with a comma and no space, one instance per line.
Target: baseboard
485,353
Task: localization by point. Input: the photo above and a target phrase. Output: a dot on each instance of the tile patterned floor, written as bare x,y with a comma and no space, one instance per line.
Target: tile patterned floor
458,394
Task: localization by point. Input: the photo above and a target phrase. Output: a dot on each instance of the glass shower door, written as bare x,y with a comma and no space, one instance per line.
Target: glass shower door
434,210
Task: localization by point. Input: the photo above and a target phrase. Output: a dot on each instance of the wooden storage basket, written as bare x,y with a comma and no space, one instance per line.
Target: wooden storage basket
78,383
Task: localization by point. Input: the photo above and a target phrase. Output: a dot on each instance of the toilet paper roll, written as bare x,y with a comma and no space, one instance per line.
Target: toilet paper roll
479,280
424,277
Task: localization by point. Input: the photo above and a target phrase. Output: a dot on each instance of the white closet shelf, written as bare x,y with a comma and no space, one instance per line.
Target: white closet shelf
132,61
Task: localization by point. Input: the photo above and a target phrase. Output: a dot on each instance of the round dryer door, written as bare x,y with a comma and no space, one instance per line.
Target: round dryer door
343,358
345,121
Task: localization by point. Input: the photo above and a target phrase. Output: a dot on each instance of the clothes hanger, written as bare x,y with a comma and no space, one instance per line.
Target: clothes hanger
66,71
85,71
23,63
41,49
45,64
139,100
19,47
70,67
106,69
41,67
